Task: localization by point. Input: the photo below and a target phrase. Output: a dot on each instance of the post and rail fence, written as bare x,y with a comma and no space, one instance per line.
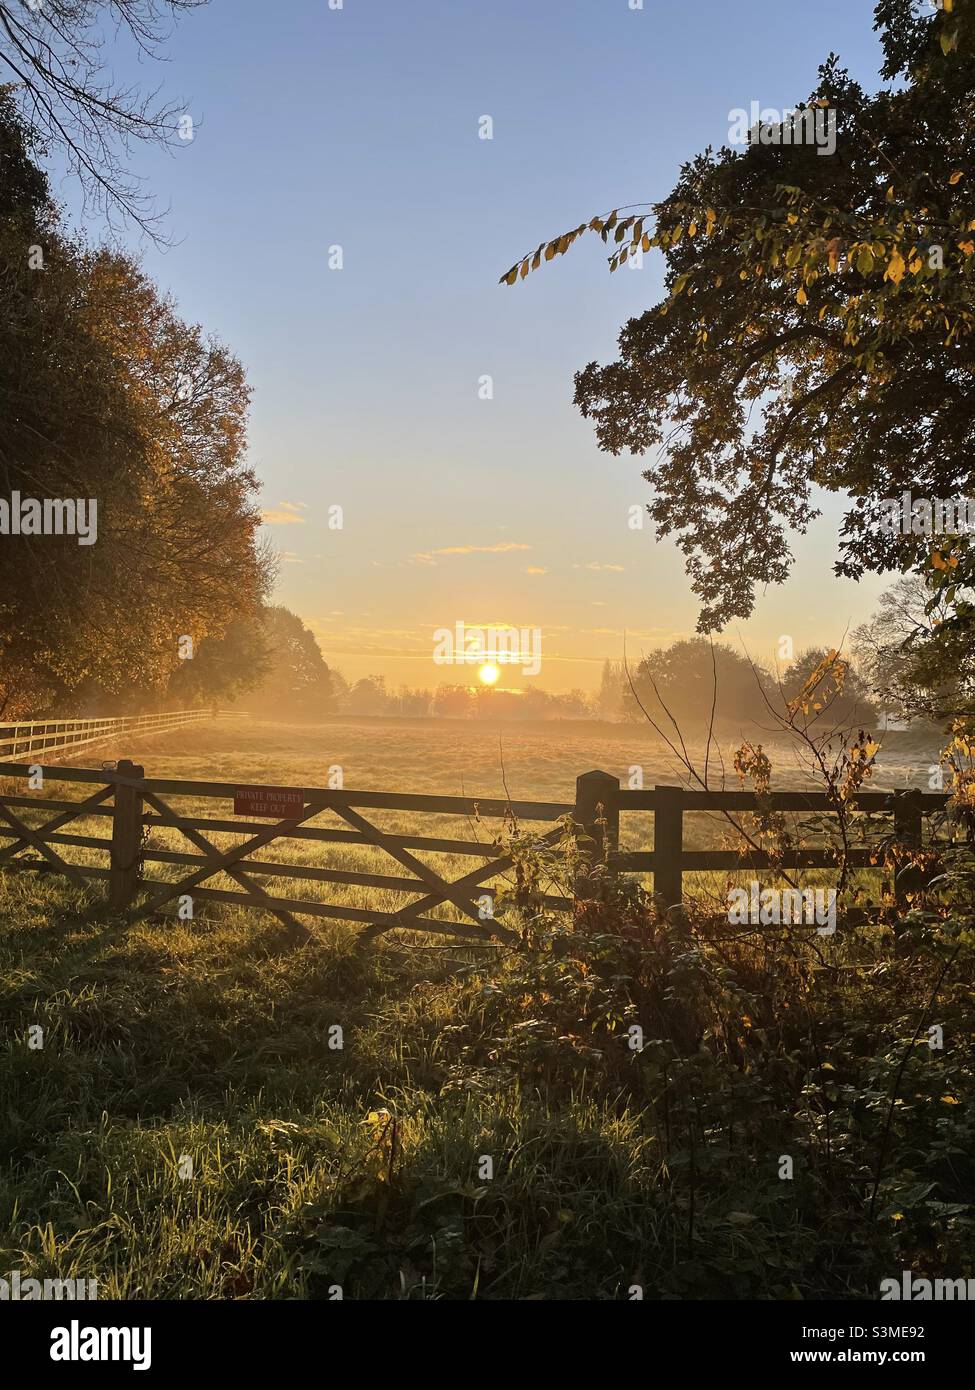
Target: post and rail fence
64,735
138,807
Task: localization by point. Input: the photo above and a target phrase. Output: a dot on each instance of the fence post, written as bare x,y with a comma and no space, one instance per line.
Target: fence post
668,843
123,883
908,831
597,810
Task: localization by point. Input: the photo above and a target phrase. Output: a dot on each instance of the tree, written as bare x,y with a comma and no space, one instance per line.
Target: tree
817,331
911,673
298,684
111,398
54,52
226,667
612,685
413,704
453,702
690,677
370,697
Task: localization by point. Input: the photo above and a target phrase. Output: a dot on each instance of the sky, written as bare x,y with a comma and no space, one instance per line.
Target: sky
358,127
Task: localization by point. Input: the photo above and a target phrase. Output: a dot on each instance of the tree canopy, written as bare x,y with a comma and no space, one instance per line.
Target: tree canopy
817,330
109,396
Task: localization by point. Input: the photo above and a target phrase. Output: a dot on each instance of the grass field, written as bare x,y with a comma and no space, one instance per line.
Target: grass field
190,1126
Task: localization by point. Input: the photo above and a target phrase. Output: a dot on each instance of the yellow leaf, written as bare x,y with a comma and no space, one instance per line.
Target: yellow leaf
957,177
949,1100
895,268
801,296
968,247
692,229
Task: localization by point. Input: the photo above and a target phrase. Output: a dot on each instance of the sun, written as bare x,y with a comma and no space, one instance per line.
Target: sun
489,673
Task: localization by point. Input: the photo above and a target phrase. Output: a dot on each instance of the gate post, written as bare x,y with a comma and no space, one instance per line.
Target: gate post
123,882
668,843
597,810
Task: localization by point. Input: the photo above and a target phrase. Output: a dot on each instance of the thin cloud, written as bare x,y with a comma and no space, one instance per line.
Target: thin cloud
426,557
285,514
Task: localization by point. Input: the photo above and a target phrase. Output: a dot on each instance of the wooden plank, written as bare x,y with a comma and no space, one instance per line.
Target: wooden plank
337,913
668,839
41,866
391,801
55,773
471,848
126,837
300,871
779,801
50,804
695,860
703,860
86,841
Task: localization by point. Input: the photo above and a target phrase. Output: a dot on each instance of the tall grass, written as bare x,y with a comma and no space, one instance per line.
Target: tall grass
190,1129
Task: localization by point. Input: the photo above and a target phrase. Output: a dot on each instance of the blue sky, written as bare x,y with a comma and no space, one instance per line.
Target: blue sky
359,127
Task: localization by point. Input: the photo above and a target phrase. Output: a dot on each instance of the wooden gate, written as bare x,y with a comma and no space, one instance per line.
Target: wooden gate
143,808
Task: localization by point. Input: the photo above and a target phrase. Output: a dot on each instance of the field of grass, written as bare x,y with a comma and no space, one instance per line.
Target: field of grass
194,1126
465,757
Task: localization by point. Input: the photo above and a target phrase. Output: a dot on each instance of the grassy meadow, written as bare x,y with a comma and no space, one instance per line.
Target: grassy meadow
215,1113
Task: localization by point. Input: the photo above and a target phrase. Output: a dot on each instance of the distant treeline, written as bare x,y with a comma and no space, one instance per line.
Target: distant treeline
686,678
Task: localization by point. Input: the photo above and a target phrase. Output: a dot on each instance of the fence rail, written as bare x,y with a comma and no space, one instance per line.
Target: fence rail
139,806
63,735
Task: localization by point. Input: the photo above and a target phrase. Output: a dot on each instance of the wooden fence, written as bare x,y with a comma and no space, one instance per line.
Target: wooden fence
66,735
668,861
138,806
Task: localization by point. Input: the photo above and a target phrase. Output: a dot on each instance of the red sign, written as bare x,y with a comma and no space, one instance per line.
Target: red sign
272,803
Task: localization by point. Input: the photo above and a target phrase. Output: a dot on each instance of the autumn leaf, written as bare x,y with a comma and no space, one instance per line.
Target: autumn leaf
895,268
